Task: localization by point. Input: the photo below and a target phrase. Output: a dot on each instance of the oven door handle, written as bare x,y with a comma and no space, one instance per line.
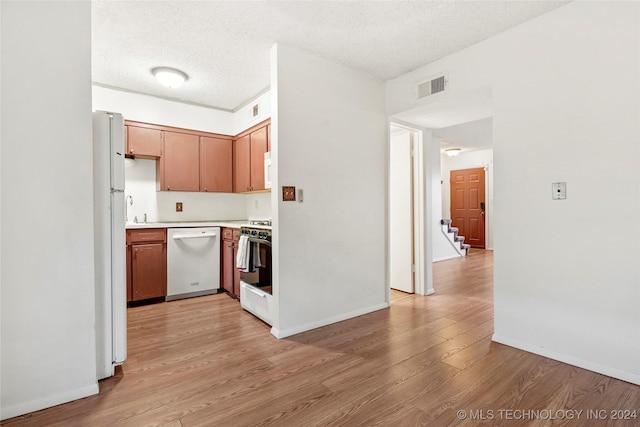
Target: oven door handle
260,294
262,242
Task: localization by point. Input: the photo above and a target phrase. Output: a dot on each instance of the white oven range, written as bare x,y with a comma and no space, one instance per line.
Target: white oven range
254,262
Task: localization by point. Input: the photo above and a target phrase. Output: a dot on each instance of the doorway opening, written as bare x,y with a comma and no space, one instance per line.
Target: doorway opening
408,272
401,211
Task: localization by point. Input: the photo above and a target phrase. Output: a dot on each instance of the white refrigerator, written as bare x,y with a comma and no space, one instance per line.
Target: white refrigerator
109,237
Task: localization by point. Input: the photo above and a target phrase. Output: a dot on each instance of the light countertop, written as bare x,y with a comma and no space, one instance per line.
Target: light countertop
184,224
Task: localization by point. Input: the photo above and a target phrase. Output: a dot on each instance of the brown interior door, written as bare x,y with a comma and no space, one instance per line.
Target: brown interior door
468,205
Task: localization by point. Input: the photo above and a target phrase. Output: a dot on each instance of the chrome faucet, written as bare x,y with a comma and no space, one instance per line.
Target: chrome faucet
129,202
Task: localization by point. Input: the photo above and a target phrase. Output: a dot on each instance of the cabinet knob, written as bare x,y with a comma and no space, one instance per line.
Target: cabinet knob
131,150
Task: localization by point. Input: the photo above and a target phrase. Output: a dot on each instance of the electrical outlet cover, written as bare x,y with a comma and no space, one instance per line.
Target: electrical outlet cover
288,194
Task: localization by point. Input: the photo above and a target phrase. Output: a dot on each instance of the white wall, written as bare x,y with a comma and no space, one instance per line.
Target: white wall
201,206
330,137
140,183
400,213
566,286
150,109
243,117
258,206
47,294
467,160
442,246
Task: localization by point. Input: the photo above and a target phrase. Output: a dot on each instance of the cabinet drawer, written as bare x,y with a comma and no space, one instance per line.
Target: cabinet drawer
227,233
144,235
230,234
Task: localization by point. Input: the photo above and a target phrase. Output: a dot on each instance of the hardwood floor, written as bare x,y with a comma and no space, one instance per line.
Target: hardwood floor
205,362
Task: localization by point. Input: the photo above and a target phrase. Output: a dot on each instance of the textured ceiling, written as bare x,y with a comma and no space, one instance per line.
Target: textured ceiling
224,45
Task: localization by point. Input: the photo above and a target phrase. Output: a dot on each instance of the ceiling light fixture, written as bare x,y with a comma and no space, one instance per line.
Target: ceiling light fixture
170,77
452,152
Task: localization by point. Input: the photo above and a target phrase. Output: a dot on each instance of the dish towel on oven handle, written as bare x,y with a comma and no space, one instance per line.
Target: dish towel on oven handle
242,258
255,256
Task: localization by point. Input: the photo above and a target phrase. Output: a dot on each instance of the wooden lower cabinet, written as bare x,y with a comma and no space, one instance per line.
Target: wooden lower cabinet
230,275
148,271
129,288
146,264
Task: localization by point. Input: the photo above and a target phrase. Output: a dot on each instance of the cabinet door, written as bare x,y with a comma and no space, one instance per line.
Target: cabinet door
144,141
181,162
129,285
242,164
216,160
228,265
236,273
258,148
149,272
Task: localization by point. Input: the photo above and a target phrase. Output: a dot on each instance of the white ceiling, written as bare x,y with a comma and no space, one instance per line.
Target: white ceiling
470,136
224,45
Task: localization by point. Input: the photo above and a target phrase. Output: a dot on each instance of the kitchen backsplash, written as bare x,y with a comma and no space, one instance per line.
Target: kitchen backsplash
259,206
140,184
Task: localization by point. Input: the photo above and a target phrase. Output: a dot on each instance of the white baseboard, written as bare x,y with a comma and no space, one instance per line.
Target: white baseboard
48,401
444,258
283,333
580,363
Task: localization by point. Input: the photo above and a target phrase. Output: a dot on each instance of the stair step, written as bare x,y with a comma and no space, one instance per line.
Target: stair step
453,235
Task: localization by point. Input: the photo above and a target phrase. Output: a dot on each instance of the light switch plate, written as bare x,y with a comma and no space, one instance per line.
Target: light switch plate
559,190
300,195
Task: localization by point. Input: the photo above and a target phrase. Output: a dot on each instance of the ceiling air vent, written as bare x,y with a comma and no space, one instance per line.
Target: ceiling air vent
431,87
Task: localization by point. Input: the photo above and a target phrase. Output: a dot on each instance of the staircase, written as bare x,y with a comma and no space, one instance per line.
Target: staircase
456,241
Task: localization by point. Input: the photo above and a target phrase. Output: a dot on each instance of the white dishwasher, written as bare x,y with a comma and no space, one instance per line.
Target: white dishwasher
193,262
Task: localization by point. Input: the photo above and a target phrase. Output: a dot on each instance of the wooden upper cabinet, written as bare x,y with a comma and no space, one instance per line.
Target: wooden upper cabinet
216,164
179,167
249,160
242,164
258,148
193,160
144,141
